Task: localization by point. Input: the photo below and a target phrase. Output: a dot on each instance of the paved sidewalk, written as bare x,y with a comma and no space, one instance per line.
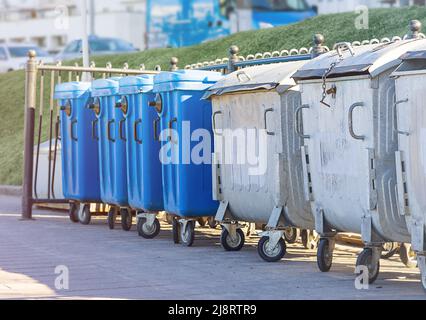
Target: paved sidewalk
116,264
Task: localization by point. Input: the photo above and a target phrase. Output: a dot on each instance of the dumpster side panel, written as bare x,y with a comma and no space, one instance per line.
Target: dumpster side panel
79,153
250,176
112,151
388,221
412,119
339,164
144,168
291,187
187,184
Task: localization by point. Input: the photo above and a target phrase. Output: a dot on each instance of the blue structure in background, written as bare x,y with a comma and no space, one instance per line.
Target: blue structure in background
179,23
80,164
145,189
187,185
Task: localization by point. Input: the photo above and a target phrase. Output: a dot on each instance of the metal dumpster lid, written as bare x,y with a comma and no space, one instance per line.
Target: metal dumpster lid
369,59
412,62
265,77
188,76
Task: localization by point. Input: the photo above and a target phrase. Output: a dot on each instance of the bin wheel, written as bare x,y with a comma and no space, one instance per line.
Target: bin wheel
365,258
126,219
187,234
112,215
308,239
230,244
73,212
212,222
291,235
324,256
408,256
271,255
148,232
176,230
84,215
389,249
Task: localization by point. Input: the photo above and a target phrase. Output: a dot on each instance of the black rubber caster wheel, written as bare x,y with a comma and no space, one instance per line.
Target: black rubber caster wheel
187,234
148,232
271,255
408,256
176,230
324,256
84,215
126,219
365,258
73,212
291,235
230,244
389,249
112,216
212,222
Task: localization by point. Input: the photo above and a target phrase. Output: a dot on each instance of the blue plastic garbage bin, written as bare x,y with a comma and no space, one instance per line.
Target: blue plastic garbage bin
80,165
187,145
111,138
145,188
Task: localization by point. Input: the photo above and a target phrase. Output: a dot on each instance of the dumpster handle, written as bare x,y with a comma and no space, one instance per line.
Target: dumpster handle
94,136
121,125
156,122
214,122
269,133
72,130
110,122
351,122
170,128
135,131
395,124
298,123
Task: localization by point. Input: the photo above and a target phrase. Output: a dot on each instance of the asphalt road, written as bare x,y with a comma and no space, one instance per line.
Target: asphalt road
119,265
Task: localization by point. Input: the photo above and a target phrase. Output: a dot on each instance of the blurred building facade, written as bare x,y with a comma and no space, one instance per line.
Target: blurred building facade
336,6
53,23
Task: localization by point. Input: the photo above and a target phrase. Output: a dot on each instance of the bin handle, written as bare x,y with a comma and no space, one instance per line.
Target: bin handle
121,126
214,122
170,128
344,45
156,122
94,123
135,131
242,73
297,122
74,138
351,123
110,122
269,133
395,124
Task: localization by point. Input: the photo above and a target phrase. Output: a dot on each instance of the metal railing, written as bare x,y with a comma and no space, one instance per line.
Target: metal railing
37,75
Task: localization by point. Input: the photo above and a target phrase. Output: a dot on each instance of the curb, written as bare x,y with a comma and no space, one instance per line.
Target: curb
14,191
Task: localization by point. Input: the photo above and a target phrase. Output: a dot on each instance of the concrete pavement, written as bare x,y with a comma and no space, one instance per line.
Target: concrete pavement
119,265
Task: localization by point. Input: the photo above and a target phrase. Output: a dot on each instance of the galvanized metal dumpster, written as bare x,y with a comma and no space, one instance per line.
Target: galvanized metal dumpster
258,175
187,144
410,80
348,102
110,133
145,188
80,178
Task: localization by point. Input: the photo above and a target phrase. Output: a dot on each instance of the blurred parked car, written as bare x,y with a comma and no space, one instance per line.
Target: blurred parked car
98,47
13,56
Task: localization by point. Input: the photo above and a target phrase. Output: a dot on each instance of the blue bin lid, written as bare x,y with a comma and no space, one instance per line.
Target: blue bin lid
185,80
71,90
136,84
105,87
